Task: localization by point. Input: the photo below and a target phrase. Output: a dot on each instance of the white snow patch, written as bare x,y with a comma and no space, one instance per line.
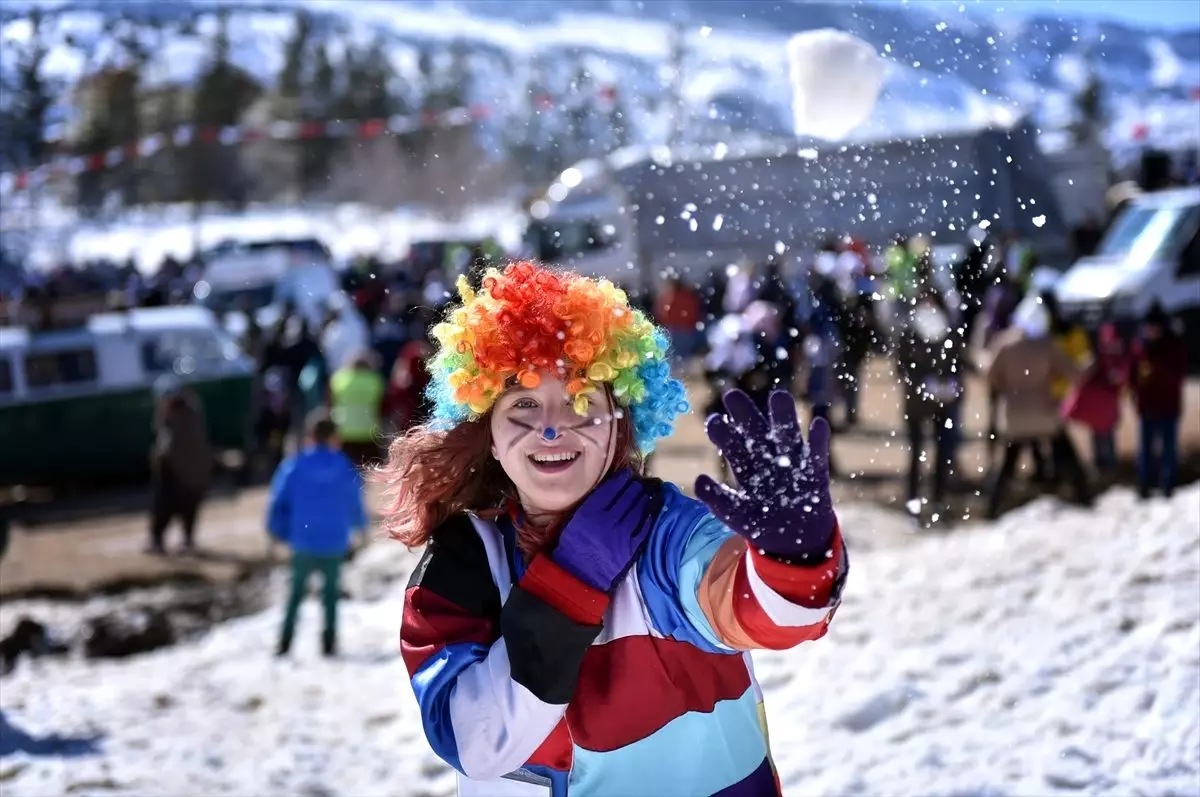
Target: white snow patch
1072,70
1056,650
1167,69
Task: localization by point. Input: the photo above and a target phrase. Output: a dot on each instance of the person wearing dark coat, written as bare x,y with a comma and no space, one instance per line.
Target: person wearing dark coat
1158,372
181,463
858,334
971,279
931,360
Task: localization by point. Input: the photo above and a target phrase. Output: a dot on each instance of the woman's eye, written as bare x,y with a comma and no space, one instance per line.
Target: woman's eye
524,404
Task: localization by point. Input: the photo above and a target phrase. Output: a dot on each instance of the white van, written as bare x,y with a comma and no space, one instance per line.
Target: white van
1151,254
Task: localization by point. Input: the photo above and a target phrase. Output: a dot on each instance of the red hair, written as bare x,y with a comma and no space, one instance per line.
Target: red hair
432,475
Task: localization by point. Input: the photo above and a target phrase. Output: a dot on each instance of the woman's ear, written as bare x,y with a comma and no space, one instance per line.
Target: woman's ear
495,454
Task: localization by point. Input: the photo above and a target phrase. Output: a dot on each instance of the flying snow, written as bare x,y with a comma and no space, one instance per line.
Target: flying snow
836,78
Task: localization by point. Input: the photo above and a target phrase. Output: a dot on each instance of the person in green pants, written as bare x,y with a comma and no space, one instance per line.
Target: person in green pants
316,507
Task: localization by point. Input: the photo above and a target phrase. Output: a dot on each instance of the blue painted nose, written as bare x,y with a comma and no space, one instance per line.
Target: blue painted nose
550,433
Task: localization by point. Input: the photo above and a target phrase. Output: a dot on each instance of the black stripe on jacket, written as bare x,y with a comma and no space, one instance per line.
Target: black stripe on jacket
545,646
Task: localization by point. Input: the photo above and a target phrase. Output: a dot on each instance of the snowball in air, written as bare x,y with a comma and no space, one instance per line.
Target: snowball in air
835,78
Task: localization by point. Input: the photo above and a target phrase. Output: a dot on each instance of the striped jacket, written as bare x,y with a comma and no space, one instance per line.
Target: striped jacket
530,682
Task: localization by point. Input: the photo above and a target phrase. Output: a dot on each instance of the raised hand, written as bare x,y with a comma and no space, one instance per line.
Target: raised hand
783,506
605,535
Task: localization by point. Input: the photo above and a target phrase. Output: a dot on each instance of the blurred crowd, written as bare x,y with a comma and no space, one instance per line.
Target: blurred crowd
938,326
810,325
813,329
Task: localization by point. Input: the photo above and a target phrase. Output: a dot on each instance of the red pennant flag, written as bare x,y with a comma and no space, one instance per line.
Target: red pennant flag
22,181
1141,131
372,128
95,161
608,93
312,130
480,112
132,151
252,134
544,102
429,118
209,134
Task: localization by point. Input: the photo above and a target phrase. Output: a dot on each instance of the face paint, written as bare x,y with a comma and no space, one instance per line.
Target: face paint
553,455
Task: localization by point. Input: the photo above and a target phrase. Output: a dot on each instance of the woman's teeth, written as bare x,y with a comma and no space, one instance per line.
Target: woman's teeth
545,459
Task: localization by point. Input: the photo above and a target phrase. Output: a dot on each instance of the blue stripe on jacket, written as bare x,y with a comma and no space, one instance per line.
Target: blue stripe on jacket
433,684
682,545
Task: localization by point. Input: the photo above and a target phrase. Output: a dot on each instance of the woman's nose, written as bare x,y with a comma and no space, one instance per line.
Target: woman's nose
555,420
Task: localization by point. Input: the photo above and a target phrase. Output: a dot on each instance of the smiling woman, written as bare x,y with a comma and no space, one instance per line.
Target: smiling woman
574,627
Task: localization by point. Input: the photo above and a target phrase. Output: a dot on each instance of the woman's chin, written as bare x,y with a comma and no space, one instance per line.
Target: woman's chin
551,494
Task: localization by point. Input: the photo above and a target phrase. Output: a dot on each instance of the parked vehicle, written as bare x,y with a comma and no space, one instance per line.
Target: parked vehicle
77,404
1150,255
268,277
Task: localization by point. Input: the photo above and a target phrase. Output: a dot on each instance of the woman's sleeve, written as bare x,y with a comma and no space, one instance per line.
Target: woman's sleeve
704,585
492,682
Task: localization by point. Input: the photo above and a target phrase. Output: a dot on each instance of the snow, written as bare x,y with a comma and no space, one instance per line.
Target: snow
836,79
1168,69
1056,652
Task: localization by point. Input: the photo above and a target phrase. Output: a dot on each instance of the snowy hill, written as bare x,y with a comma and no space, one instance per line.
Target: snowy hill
950,68
1057,652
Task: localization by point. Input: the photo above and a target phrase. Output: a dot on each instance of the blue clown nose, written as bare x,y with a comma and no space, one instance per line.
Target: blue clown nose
550,433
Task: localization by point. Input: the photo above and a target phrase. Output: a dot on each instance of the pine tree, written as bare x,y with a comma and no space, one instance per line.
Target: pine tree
443,87
223,94
97,137
1090,111
26,144
319,105
378,100
618,121
368,85
1089,105
291,78
125,113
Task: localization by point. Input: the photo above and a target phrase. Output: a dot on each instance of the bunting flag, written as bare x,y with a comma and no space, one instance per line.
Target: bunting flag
63,166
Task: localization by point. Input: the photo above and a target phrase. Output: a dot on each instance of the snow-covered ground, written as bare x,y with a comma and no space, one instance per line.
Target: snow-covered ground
1057,652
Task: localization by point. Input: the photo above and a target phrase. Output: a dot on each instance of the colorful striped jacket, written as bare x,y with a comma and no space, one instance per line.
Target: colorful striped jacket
532,683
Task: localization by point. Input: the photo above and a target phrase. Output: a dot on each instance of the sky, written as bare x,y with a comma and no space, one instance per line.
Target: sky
1164,13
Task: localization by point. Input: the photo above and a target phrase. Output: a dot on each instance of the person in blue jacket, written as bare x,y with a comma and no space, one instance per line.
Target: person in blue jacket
316,506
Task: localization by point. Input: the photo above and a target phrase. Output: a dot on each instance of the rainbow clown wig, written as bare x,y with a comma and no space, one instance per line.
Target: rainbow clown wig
528,319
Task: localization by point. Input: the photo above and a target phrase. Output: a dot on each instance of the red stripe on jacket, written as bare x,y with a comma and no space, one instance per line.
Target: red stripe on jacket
556,751
619,701
431,623
811,587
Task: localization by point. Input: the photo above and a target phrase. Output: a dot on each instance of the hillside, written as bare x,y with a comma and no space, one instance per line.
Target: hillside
526,60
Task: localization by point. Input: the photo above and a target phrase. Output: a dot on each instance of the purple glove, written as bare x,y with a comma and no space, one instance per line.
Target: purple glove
605,535
784,507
